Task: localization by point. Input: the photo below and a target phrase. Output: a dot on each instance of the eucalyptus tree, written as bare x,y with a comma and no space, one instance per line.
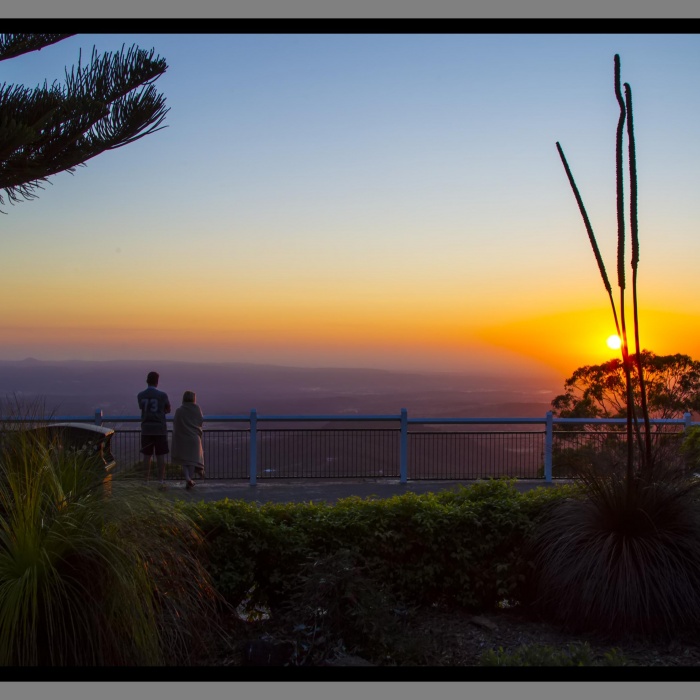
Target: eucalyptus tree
672,384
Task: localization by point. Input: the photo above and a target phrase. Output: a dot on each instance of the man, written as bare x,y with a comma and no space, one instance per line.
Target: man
154,405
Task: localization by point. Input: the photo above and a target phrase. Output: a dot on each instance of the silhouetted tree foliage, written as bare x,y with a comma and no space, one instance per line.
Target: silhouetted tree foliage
107,103
598,391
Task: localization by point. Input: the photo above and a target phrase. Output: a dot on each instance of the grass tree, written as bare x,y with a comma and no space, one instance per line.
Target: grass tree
625,557
92,575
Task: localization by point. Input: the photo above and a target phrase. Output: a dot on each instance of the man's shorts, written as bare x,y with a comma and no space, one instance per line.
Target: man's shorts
157,443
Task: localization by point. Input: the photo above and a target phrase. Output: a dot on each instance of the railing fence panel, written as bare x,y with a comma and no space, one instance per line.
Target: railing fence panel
327,453
540,448
475,455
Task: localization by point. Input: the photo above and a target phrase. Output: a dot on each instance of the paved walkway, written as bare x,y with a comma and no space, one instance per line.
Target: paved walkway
316,490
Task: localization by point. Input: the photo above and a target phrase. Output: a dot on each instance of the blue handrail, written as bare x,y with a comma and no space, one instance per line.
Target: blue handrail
253,419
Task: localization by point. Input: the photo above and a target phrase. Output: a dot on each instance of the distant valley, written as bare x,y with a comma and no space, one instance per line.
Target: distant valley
79,387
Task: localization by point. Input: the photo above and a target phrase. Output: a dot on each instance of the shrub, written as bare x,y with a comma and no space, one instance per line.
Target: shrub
253,551
89,575
690,448
624,558
468,546
335,606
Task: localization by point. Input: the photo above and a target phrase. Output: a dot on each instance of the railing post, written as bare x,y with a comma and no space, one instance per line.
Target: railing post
688,422
98,416
548,443
253,446
403,464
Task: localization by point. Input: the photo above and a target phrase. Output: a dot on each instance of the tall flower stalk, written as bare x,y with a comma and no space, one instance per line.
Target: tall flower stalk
625,105
634,229
620,197
591,237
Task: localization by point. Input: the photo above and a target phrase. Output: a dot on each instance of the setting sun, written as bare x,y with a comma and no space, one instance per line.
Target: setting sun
614,342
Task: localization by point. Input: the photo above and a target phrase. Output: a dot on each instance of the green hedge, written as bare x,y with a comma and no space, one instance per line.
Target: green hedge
468,546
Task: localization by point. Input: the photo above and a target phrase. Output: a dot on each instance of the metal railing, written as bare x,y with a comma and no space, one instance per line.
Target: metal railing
541,448
575,449
474,455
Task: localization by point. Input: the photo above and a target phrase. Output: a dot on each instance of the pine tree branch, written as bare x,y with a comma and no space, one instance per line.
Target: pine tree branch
12,45
103,105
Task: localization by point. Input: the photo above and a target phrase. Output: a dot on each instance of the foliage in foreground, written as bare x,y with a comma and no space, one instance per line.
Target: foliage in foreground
576,654
466,547
623,560
335,607
93,573
690,449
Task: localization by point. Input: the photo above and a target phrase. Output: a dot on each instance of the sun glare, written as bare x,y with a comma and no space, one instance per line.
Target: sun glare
614,342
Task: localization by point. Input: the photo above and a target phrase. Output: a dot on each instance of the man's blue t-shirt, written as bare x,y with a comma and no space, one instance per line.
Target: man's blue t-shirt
154,405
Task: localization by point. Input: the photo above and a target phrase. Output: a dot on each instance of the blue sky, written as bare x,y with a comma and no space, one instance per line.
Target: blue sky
311,180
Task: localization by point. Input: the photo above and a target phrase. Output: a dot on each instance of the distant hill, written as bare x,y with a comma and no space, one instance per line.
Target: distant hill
79,387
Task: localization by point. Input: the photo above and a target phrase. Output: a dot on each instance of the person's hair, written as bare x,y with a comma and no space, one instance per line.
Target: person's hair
189,397
152,378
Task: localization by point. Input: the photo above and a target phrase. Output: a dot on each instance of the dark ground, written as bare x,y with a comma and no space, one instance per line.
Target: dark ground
450,637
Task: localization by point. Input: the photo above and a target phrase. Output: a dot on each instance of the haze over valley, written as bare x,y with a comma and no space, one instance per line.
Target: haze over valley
79,387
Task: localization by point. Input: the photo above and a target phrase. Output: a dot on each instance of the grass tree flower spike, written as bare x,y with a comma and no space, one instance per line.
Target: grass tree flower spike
591,235
634,230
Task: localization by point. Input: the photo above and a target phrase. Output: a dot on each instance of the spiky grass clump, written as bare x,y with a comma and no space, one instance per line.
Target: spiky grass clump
92,575
623,559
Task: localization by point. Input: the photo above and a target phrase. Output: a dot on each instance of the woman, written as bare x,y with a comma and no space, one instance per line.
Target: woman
187,438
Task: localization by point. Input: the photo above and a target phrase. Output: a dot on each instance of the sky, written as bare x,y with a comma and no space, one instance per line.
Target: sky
389,201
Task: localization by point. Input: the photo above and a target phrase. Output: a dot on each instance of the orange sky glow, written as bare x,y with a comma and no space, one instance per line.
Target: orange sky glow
387,219
556,343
